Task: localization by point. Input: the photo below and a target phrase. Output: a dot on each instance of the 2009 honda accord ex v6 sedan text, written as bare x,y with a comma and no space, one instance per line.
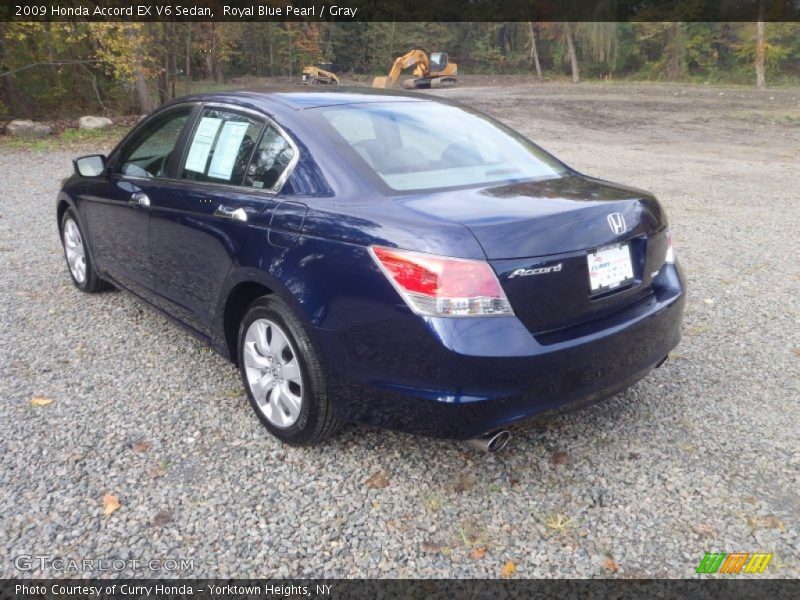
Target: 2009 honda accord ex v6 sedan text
381,258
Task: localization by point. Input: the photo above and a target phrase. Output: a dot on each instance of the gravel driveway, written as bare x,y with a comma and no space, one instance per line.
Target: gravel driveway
702,455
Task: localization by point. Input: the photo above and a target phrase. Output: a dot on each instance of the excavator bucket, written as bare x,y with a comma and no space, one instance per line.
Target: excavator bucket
380,82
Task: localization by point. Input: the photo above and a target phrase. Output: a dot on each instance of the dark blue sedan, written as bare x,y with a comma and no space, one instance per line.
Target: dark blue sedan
380,258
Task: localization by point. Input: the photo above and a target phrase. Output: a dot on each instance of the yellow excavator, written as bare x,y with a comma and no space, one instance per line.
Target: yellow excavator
430,71
320,74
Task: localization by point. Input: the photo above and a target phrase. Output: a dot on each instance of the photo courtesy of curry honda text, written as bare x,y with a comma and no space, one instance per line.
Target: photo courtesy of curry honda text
377,257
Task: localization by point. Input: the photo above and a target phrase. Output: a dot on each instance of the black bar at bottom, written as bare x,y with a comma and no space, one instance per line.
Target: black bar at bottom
358,589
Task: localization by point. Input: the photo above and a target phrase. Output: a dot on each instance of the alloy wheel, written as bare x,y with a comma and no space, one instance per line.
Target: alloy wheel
273,372
76,253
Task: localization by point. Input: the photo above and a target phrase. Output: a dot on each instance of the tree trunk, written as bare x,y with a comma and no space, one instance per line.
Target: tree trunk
144,100
173,58
187,81
573,58
674,68
163,79
291,49
502,39
761,80
271,51
213,66
6,86
535,51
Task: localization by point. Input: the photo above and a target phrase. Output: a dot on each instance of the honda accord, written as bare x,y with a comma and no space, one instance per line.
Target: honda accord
382,258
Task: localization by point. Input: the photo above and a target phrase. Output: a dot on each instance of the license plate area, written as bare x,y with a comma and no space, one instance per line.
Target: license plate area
609,268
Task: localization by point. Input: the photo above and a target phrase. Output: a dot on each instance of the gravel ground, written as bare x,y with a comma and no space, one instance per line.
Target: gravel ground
702,455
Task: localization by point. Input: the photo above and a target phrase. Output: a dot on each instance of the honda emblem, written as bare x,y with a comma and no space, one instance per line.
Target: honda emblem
617,223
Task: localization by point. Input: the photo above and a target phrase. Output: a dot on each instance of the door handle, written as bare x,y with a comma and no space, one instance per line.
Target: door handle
237,214
140,199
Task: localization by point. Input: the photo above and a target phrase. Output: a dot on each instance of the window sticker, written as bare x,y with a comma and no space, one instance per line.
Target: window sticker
201,144
227,149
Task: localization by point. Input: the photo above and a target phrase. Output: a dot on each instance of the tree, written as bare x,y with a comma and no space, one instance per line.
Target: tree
534,50
675,46
187,69
600,38
573,58
130,53
760,52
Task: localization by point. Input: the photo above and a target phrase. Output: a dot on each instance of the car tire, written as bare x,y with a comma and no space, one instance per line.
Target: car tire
79,262
279,364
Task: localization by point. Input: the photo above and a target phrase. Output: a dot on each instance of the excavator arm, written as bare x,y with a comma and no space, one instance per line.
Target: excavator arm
415,58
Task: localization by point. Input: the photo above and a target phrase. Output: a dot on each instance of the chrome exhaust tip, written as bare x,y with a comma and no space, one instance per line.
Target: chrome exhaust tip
490,442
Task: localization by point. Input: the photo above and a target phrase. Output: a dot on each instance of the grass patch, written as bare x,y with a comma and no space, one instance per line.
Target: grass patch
696,330
559,523
775,117
470,535
433,502
70,139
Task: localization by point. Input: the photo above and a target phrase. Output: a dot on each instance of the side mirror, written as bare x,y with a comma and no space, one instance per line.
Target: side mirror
91,165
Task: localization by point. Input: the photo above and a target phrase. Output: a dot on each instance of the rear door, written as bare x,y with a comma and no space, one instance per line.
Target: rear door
215,207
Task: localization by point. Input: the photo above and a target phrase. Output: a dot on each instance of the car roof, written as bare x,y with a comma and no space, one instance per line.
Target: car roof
301,98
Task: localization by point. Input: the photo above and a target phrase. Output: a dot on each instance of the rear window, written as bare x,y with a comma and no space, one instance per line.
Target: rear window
424,146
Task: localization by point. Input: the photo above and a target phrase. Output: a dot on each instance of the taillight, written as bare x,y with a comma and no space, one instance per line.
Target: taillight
670,258
438,286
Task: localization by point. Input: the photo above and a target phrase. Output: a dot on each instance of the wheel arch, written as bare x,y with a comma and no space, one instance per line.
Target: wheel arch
63,204
239,298
243,288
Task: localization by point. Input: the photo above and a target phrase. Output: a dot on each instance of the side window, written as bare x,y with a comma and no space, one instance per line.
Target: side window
353,125
221,146
148,153
271,159
358,128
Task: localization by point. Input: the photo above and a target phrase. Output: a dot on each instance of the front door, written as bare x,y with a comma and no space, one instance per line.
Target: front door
117,207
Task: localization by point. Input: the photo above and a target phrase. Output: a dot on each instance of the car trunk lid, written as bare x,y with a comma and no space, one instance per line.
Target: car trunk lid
537,237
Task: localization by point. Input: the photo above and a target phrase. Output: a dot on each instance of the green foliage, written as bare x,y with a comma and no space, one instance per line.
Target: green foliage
84,139
489,56
58,69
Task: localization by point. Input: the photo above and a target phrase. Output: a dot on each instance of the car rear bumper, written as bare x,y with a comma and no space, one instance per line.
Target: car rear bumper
459,378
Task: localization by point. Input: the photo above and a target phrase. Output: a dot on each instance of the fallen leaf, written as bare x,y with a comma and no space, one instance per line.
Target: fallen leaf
704,529
764,522
696,330
560,458
513,481
162,518
796,351
156,472
611,565
430,547
41,401
509,569
141,446
477,553
110,504
377,481
464,483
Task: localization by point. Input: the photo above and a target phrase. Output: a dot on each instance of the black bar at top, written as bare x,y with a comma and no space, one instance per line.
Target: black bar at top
401,10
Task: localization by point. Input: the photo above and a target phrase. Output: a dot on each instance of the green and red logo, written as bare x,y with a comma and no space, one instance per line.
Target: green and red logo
734,563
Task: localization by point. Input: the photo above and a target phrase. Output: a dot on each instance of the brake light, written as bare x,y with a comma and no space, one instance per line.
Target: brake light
670,258
438,286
